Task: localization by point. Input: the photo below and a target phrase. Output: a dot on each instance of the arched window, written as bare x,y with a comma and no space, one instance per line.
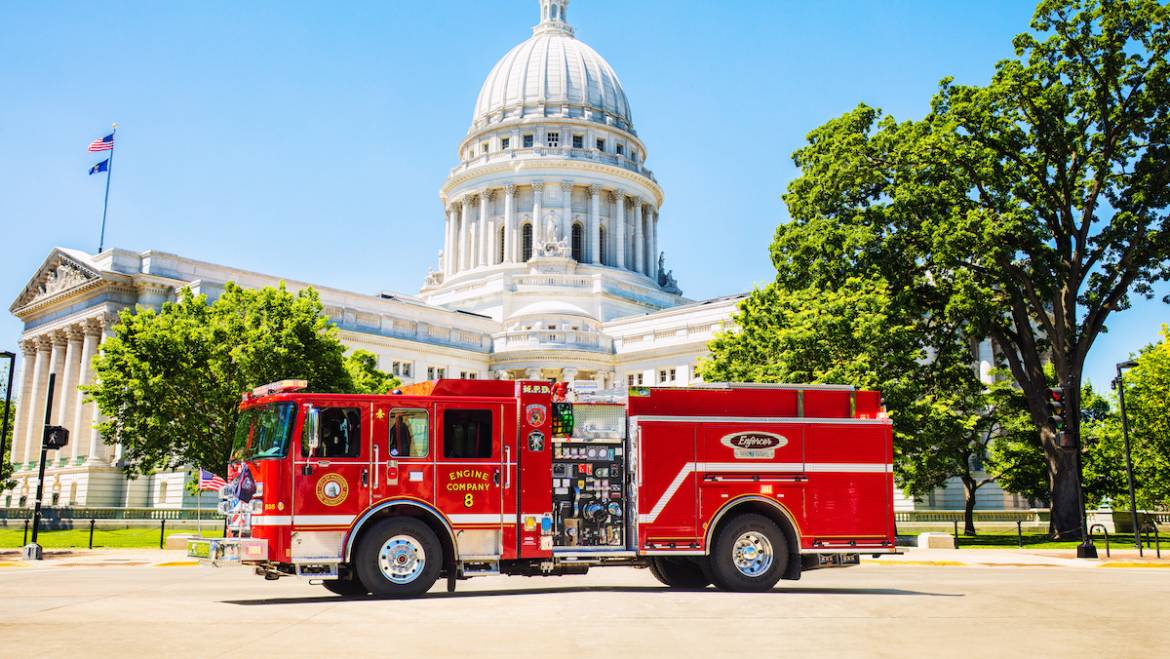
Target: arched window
526,242
500,245
603,257
578,243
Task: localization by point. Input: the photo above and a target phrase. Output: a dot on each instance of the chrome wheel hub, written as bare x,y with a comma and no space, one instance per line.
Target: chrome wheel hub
402,559
752,554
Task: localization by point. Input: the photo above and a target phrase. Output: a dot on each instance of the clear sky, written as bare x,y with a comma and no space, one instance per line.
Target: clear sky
309,140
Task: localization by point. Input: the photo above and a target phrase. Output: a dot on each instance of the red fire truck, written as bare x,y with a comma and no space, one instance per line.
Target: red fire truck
736,485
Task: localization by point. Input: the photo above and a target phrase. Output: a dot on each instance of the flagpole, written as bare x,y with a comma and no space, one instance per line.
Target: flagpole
106,203
199,503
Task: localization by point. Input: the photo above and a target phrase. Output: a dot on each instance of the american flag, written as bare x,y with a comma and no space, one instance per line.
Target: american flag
209,481
104,144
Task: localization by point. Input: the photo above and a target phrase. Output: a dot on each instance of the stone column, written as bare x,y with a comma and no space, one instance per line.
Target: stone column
537,210
567,212
83,421
509,224
473,258
619,229
36,402
449,263
28,352
485,236
533,374
569,374
639,247
464,261
652,225
595,224
70,396
56,365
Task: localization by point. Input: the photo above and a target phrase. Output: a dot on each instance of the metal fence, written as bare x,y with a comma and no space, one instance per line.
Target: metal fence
49,513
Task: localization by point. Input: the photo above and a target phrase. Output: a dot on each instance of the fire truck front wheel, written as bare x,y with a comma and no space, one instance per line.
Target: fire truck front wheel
749,555
399,557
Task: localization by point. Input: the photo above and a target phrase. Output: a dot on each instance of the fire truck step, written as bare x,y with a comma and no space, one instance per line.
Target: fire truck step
480,568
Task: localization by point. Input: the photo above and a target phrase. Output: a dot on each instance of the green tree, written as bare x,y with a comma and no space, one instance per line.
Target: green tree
872,334
6,465
362,368
1027,210
169,382
1147,390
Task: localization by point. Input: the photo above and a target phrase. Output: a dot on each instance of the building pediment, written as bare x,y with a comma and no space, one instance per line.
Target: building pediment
60,275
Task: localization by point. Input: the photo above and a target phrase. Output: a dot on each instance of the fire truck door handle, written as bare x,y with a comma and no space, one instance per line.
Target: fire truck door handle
507,467
376,468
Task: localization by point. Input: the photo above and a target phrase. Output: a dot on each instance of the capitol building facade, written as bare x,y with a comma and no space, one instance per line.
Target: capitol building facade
550,269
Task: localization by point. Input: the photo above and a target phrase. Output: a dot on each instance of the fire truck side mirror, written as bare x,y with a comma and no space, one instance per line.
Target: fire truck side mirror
312,437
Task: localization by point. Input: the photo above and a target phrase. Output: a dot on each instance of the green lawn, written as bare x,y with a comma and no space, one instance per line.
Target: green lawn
1038,541
146,537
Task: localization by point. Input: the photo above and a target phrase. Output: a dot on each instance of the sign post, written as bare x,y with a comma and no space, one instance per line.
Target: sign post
56,438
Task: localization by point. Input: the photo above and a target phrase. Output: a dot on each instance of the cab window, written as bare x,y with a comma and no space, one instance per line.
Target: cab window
408,434
467,434
341,433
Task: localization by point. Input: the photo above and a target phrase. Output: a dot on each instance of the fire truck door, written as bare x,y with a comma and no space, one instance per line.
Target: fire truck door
332,481
402,460
472,474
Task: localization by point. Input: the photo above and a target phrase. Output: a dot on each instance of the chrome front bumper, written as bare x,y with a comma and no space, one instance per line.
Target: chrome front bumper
227,552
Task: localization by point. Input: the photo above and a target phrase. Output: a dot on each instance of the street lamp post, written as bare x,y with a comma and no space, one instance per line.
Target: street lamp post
1119,384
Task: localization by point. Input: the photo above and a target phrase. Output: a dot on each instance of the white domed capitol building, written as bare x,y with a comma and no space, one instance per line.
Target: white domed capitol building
550,269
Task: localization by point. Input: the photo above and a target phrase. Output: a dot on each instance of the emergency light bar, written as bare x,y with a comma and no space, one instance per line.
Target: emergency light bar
281,387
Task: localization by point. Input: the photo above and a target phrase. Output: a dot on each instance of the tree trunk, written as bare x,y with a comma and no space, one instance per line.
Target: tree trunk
1066,494
969,489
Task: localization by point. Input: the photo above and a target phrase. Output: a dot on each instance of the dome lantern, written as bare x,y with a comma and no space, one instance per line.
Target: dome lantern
553,17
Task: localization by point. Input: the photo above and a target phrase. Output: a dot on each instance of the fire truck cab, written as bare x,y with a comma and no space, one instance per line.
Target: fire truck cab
736,485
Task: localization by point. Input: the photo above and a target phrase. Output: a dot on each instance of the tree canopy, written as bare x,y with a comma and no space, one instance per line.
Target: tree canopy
169,381
1026,210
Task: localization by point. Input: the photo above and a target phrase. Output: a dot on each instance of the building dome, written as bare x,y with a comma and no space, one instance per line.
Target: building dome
552,70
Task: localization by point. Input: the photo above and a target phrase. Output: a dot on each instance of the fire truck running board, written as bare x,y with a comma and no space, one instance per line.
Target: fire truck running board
575,553
480,568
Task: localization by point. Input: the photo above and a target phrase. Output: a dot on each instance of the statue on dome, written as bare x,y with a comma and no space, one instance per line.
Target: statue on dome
666,277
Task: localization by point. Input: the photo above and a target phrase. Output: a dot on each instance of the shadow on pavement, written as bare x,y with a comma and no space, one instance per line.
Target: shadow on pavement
273,601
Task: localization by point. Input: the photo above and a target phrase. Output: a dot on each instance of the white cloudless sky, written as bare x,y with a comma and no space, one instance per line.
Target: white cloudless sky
309,140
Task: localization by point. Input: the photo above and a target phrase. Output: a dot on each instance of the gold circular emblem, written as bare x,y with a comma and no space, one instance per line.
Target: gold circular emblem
332,489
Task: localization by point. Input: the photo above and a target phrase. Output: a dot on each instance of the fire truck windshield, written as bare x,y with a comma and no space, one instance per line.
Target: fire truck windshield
263,432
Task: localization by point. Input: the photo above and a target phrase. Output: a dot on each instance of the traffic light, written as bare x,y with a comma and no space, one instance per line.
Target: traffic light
1056,416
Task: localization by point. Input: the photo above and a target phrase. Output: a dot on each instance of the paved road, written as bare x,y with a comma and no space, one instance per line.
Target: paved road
870,610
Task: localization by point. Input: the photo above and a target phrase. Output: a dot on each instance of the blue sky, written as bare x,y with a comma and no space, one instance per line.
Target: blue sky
309,140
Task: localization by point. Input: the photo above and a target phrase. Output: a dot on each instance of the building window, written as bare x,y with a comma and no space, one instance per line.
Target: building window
467,434
601,145
620,149
409,437
505,143
500,246
601,258
436,373
578,243
162,492
402,369
527,141
468,375
483,148
553,139
666,376
578,142
526,242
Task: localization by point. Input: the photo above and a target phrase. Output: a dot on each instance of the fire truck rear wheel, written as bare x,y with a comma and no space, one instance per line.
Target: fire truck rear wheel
399,557
678,572
749,555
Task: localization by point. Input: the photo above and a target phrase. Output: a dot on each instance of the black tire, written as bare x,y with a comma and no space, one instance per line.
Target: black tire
346,587
761,536
678,572
415,541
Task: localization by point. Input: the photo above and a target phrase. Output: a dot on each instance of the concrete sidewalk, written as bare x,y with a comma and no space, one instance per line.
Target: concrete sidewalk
974,557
